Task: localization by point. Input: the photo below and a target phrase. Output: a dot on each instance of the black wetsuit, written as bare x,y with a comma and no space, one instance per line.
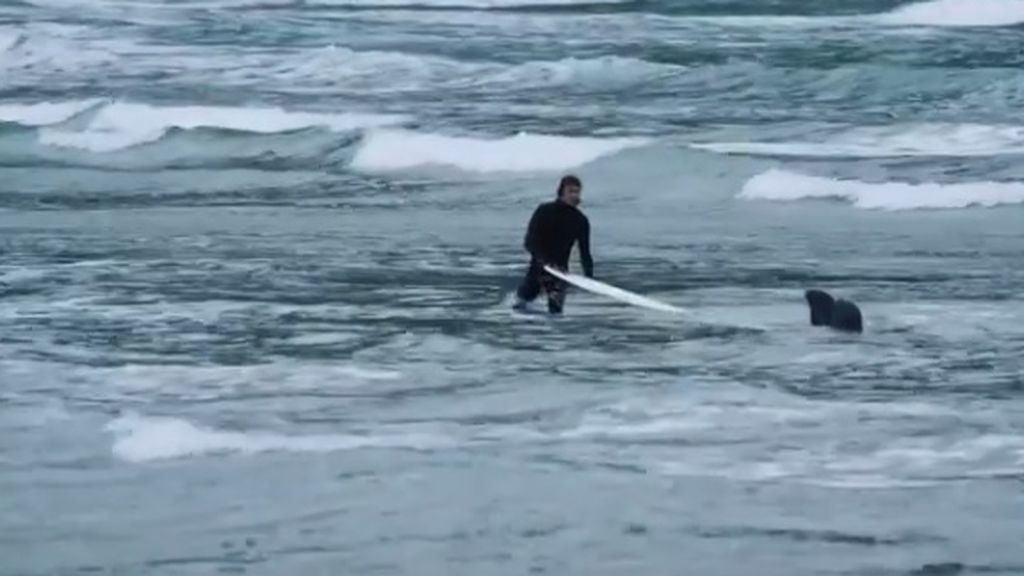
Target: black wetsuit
553,229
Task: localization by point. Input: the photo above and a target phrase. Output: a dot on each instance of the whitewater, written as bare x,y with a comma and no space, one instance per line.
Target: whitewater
257,259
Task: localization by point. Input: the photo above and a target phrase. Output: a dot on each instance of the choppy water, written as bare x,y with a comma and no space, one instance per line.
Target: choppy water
255,260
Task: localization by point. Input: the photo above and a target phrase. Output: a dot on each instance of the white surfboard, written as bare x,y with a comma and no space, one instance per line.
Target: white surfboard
597,287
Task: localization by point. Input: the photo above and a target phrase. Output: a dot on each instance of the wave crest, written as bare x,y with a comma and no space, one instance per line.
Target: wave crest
938,139
959,13
464,4
342,66
780,185
394,150
43,113
121,125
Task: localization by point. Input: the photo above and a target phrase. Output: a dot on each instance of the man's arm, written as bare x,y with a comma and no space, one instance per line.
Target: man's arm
584,244
533,242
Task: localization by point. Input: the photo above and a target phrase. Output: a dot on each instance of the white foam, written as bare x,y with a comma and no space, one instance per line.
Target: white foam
43,113
40,49
807,430
607,427
143,439
902,463
17,275
321,339
480,4
688,418
122,125
217,381
48,50
38,414
342,67
769,21
607,71
780,185
457,3
338,66
958,13
939,139
8,40
391,150
368,373
286,383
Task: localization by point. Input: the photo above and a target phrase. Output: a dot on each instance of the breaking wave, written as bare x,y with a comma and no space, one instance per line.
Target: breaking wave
958,13
395,150
780,185
892,141
143,439
120,125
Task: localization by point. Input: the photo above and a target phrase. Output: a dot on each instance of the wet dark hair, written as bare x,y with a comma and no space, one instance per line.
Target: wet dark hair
568,180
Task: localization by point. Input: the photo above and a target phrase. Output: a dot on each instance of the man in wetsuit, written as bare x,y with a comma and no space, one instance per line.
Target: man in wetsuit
554,227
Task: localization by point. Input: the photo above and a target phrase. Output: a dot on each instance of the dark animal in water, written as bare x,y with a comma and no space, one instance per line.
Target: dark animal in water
836,314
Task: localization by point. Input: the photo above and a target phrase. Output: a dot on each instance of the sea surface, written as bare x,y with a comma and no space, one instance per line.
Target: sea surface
257,257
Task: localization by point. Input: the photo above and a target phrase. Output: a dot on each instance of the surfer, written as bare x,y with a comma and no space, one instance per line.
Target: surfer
553,229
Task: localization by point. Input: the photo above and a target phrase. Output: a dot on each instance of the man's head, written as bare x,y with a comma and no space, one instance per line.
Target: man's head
569,190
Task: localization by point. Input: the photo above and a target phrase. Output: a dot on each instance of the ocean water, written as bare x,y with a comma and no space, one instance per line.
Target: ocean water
256,260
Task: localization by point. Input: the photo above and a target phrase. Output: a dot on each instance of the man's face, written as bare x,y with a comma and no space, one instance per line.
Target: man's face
571,195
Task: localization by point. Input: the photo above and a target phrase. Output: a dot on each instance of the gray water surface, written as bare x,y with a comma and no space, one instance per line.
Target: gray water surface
256,261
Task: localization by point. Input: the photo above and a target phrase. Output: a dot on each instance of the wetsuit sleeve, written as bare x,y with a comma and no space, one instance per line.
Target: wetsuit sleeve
533,241
584,243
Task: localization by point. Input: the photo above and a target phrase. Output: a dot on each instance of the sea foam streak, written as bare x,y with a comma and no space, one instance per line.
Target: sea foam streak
43,113
122,125
344,67
958,13
8,40
40,49
781,185
142,439
483,4
892,141
937,13
391,150
602,71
